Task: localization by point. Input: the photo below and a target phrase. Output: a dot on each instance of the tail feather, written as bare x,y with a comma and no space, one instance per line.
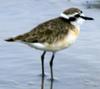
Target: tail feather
10,40
19,37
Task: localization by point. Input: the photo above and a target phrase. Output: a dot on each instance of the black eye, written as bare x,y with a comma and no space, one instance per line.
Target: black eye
81,11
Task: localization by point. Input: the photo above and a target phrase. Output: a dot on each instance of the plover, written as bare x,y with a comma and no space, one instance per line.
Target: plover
54,35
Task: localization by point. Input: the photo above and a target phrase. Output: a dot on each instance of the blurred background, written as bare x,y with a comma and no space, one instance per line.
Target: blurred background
77,67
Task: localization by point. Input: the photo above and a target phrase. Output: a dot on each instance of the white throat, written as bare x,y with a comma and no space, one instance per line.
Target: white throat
78,22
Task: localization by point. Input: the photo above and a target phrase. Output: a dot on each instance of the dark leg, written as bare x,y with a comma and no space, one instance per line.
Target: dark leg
42,62
51,65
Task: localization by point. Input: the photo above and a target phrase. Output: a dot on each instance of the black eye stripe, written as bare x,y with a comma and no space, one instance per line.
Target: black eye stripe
72,19
77,15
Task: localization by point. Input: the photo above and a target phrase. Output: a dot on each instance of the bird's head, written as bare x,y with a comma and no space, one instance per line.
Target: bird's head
75,16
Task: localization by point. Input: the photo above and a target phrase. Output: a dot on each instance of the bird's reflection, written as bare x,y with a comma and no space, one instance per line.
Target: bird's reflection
43,83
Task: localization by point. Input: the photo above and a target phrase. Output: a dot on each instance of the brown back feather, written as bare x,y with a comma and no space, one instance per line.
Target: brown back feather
50,31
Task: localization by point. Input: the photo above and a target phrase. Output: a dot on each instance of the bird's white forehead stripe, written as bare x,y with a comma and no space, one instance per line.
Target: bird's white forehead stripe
64,16
67,16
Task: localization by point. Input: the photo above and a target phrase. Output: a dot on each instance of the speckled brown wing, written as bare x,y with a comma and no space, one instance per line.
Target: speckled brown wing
49,32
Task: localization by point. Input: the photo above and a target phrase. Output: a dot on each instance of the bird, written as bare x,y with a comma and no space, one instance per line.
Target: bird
53,35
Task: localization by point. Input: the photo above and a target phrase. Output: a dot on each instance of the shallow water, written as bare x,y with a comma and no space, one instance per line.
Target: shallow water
77,67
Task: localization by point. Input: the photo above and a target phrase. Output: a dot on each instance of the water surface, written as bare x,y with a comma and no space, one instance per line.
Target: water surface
77,67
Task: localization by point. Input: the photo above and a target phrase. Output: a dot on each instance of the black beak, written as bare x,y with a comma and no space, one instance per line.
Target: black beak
87,18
